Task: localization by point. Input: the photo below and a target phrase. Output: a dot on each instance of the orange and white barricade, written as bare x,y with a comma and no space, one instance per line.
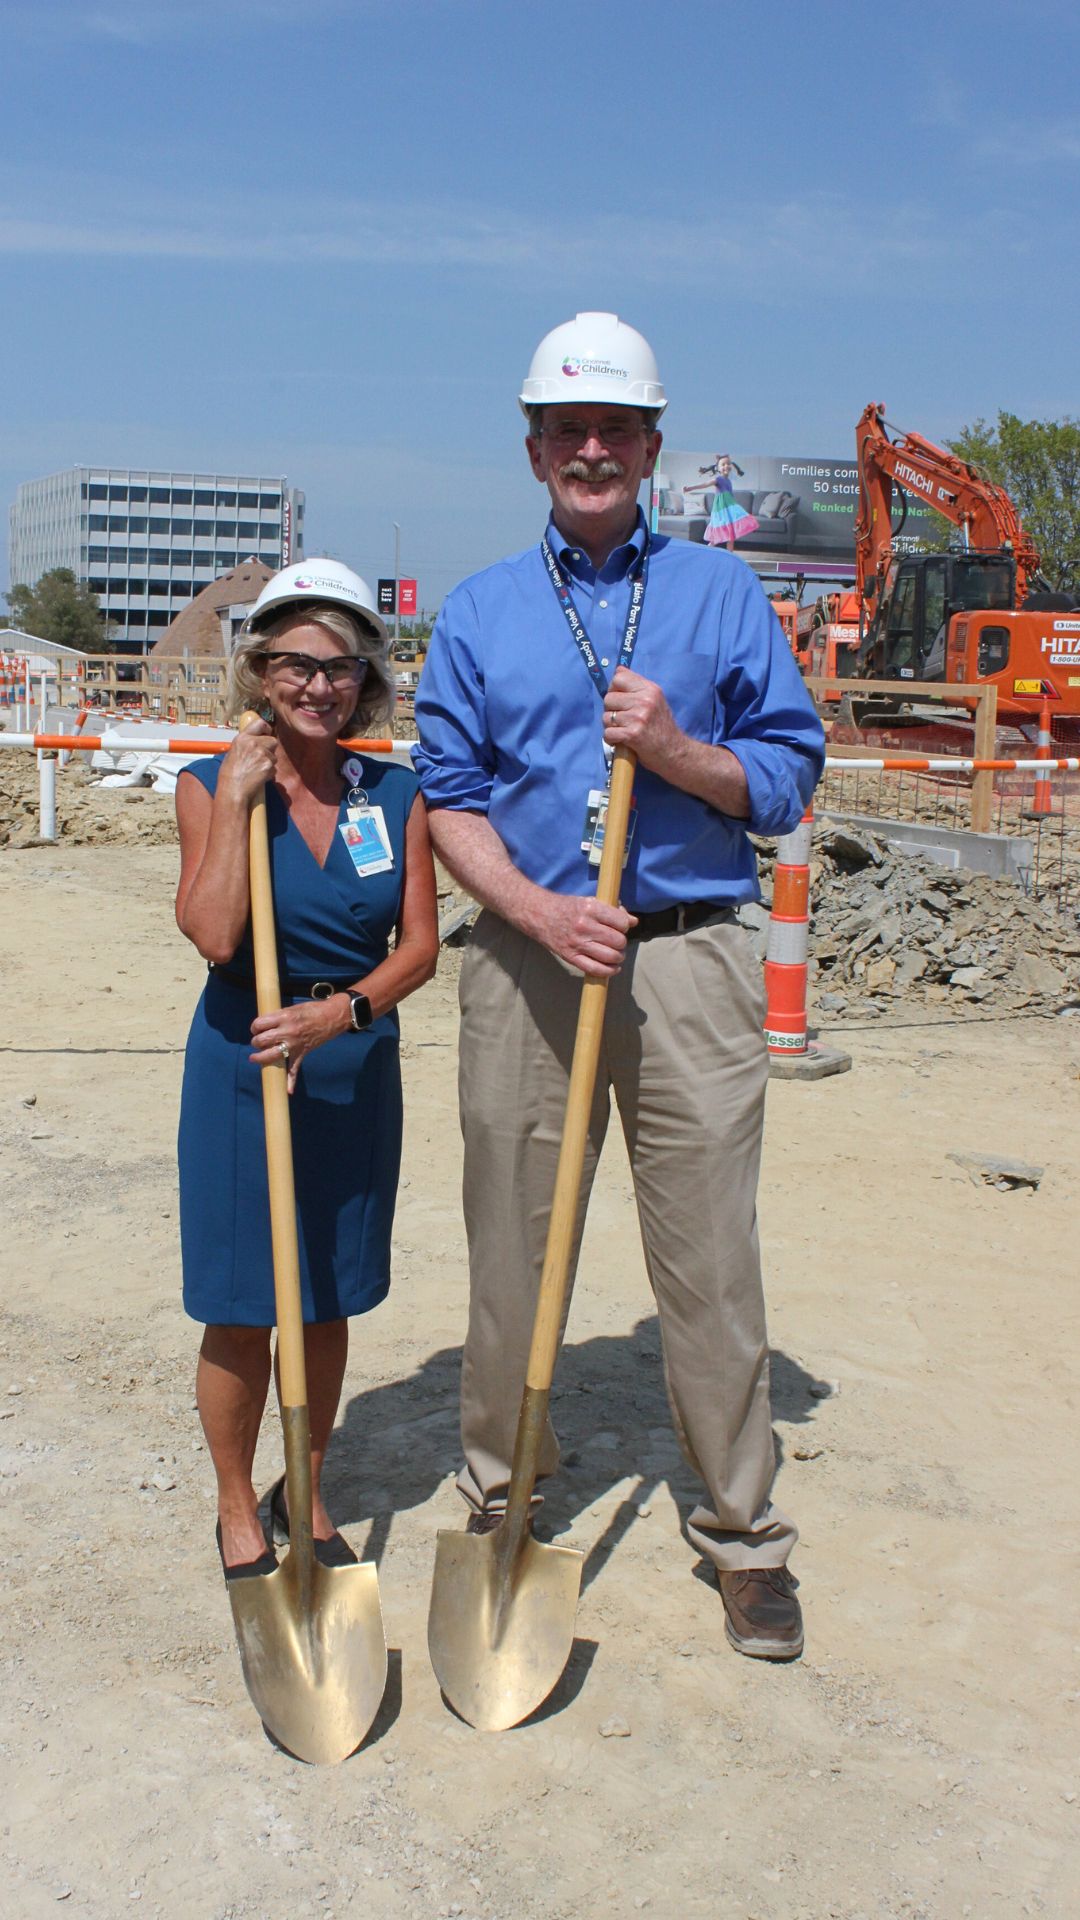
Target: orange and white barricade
1043,801
786,956
792,1054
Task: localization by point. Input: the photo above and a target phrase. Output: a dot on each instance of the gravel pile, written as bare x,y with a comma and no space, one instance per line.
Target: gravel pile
890,929
87,815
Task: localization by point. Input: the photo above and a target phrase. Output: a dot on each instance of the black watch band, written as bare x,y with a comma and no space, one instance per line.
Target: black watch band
360,1014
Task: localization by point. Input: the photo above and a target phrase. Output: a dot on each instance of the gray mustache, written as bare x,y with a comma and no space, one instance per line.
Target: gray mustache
591,470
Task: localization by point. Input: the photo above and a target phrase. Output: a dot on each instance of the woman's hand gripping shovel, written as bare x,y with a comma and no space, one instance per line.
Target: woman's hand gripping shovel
311,1637
503,1605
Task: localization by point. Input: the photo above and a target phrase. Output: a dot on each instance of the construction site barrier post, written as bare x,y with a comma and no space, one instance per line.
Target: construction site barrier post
1043,800
47,795
982,785
792,1054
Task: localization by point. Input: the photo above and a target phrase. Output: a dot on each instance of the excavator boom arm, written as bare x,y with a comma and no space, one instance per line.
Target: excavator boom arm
948,484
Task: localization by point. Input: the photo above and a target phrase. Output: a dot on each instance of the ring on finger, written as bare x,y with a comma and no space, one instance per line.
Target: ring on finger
284,1051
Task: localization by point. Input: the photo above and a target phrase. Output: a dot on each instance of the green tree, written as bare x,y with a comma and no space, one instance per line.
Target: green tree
1038,464
59,609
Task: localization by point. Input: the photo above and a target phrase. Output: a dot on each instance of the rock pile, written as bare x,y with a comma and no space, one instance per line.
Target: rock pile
86,814
890,928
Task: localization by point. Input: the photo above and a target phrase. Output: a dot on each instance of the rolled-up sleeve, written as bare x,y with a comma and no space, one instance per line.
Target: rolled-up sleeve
769,722
454,758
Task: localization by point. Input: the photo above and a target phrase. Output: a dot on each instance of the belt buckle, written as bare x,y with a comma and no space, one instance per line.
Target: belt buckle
321,990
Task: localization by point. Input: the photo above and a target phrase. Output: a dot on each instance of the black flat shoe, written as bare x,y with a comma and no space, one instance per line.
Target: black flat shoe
246,1569
335,1552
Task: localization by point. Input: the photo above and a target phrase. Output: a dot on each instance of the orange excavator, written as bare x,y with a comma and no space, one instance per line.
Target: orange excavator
981,613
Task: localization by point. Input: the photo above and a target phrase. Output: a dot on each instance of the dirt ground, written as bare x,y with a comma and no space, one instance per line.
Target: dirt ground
919,1761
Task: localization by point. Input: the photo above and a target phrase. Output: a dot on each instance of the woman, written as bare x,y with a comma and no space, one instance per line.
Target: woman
728,521
351,863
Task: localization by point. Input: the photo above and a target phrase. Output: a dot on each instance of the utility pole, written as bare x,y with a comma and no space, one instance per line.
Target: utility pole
397,583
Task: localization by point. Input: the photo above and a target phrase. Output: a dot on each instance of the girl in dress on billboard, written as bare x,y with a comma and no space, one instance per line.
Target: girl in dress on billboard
728,521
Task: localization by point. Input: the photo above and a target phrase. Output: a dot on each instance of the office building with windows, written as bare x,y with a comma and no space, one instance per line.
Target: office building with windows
147,543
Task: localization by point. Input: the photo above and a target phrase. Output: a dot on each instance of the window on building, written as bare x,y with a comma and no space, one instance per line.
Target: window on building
97,585
136,524
118,557
137,493
203,529
226,529
118,523
98,492
181,496
159,556
99,523
159,496
156,619
226,499
248,499
158,525
136,588
158,589
271,503
136,556
181,527
270,560
248,530
203,498
181,556
98,553
118,493
83,491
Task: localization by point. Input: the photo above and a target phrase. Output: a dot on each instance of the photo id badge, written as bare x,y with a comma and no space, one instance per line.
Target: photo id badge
596,820
364,833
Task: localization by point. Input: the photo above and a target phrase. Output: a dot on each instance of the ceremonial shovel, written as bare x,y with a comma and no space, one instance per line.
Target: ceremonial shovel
501,1623
311,1637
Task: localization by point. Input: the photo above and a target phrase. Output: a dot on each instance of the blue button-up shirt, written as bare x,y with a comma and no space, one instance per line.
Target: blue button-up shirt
511,725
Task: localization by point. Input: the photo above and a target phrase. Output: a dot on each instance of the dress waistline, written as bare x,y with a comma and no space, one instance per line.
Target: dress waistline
307,989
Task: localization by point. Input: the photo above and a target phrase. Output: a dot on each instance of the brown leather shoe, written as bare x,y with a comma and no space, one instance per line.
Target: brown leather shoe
762,1617
485,1522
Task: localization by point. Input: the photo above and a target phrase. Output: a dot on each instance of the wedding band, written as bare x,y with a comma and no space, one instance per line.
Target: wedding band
284,1051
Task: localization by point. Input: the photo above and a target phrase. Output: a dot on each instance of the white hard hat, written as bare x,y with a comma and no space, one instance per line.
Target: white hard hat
309,580
595,356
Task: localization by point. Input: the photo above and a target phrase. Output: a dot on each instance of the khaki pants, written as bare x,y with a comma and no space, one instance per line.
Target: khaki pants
683,1052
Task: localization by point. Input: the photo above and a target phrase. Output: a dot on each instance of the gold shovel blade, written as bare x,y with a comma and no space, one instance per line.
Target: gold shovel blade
499,1637
315,1665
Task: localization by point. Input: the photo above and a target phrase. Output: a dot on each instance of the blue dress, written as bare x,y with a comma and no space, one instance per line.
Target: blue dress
346,1109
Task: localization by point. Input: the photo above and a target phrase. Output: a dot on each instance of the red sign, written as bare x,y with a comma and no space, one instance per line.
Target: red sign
408,598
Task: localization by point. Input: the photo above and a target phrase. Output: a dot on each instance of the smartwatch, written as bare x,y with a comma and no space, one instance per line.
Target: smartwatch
360,1014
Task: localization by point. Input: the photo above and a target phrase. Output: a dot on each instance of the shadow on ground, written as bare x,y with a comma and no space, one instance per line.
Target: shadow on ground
399,1442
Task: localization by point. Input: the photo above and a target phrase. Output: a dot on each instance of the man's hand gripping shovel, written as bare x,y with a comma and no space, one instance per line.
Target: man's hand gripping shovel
501,1624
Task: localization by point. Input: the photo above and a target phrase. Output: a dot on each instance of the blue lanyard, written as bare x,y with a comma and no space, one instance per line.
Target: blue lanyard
576,624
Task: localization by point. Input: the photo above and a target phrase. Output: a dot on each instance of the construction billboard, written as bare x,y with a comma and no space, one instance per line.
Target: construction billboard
799,507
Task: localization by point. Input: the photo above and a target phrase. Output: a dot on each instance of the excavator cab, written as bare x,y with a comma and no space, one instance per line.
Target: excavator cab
909,630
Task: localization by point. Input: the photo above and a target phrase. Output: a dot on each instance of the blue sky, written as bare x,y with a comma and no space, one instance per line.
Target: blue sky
323,238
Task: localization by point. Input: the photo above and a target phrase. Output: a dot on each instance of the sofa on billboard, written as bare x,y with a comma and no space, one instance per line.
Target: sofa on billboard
686,515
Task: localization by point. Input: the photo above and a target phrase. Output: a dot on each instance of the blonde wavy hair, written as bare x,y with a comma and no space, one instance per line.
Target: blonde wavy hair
377,693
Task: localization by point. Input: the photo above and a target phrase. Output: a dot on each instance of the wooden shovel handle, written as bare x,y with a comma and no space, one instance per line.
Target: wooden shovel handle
590,1027
275,1093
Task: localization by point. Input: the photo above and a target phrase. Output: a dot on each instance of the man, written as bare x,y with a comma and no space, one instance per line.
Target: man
601,637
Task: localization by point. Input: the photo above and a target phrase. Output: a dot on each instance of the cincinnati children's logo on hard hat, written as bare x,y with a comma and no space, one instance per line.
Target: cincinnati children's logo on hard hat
572,367
312,583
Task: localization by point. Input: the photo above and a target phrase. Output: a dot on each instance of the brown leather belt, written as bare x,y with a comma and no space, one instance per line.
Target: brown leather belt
678,919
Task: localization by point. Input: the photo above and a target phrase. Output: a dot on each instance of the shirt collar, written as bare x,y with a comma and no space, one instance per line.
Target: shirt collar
618,563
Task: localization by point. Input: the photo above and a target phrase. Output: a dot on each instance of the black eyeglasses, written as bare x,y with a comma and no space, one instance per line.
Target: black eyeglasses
300,669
